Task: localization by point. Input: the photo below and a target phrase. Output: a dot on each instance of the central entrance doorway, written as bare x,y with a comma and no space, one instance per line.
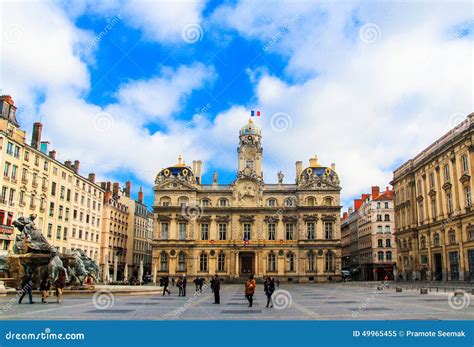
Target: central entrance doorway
247,263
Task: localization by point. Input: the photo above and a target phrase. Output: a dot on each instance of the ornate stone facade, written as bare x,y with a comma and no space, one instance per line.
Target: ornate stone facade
287,231
433,209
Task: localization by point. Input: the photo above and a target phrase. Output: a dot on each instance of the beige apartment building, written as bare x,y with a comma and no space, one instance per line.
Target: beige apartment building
433,209
369,250
142,235
289,231
68,206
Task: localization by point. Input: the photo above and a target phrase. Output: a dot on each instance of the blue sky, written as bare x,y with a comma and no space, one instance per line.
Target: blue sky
126,86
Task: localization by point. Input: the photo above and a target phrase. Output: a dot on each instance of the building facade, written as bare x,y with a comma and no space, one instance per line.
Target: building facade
433,209
287,231
369,250
68,206
142,235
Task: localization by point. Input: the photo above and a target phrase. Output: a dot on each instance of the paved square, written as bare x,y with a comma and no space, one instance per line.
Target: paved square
294,302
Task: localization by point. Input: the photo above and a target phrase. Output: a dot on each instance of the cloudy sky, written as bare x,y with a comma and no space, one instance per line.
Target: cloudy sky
127,86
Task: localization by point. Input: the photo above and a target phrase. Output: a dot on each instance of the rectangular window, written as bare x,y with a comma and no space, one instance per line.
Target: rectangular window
51,209
247,231
328,229
449,198
289,231
58,233
50,230
467,195
447,176
11,198
17,152
379,229
182,231
6,170
432,180
9,148
387,229
464,164
388,243
204,231
53,188
271,231
14,172
379,243
310,230
222,231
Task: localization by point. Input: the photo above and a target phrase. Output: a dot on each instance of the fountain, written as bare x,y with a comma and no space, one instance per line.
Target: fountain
32,252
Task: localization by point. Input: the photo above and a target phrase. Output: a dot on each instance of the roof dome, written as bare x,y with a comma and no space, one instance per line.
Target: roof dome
179,169
250,129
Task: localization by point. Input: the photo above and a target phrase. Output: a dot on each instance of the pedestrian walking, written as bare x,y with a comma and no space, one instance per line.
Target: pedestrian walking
27,286
179,284
250,286
45,288
196,283
184,285
216,285
278,282
60,284
172,281
166,283
201,284
269,288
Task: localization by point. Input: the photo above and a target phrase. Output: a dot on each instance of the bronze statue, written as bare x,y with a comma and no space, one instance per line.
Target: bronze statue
30,239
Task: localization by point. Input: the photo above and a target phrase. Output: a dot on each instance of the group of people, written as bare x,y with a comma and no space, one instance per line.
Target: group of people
46,285
250,287
181,284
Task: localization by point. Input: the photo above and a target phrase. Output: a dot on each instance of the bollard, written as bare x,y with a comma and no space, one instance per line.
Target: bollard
423,291
458,292
398,289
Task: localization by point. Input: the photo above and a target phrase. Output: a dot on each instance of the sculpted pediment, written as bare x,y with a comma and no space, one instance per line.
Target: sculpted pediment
248,192
174,184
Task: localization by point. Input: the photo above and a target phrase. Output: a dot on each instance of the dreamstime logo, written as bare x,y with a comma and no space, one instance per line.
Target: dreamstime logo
103,122
103,299
281,122
459,302
281,299
192,33
13,33
370,33
191,212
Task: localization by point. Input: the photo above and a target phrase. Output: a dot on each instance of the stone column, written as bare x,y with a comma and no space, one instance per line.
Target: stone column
155,265
115,269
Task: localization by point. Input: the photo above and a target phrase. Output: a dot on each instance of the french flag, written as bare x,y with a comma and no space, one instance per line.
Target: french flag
255,113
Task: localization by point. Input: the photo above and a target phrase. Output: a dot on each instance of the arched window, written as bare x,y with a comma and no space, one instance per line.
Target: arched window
380,256
271,262
165,201
329,261
328,201
205,202
291,262
221,262
311,262
311,201
203,262
183,201
181,261
288,202
163,261
223,202
388,256
271,202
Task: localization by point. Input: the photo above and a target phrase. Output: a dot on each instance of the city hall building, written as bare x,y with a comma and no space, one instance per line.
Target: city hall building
286,231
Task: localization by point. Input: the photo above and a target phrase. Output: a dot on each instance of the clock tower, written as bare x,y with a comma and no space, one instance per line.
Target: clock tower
250,151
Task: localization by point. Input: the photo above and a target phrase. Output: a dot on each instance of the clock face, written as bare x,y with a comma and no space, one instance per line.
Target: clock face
250,152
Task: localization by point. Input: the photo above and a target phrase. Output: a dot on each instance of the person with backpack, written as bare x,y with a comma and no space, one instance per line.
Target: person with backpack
60,284
27,286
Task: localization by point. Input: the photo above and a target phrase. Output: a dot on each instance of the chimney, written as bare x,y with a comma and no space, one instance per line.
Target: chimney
357,204
313,161
103,185
194,167
299,168
387,189
375,192
36,137
76,166
67,163
107,196
128,188
91,177
344,215
140,196
333,167
52,154
350,211
115,189
365,196
199,166
109,186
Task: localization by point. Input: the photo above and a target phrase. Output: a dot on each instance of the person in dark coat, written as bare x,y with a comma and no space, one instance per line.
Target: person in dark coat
27,286
216,287
201,284
179,284
166,283
269,288
196,283
184,285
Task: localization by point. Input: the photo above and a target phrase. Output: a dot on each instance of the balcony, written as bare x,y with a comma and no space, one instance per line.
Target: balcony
34,184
